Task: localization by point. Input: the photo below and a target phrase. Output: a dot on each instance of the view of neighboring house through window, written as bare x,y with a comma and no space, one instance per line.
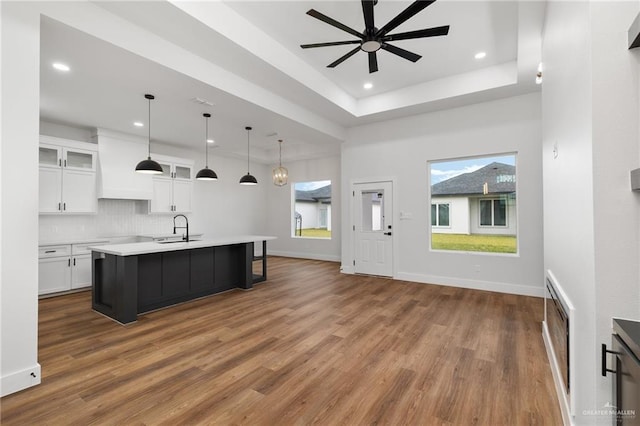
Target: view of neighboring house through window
473,204
311,209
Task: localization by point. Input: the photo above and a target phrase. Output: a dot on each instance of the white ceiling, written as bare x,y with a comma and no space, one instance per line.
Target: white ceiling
274,85
475,26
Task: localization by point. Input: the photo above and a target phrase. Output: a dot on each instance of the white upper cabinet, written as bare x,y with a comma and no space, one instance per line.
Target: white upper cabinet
67,176
173,189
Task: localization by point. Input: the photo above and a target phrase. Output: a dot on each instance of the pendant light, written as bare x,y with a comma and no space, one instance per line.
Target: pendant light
206,173
149,166
248,179
280,174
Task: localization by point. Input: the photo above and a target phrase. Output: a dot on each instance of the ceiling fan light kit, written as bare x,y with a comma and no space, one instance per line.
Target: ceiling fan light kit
373,39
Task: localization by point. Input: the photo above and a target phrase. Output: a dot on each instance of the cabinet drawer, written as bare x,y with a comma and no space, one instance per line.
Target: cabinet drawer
84,247
54,251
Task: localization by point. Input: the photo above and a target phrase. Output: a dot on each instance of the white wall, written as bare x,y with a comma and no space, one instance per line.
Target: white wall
616,151
590,113
19,190
401,148
278,212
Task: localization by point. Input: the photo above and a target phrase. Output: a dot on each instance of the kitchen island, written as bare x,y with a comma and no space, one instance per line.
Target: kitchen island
131,279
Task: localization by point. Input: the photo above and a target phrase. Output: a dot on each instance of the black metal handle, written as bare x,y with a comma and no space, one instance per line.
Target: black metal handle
60,162
74,261
59,206
65,163
50,251
68,262
64,206
604,352
387,233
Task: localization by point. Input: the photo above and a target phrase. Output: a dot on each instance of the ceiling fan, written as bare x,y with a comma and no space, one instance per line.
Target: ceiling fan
373,39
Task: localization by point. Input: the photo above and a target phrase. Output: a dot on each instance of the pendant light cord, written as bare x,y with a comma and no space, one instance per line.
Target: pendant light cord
280,145
248,130
149,128
206,142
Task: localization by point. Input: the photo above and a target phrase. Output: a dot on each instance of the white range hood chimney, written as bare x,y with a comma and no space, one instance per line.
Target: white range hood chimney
118,154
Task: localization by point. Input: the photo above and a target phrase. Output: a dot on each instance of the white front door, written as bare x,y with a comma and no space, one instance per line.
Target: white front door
373,234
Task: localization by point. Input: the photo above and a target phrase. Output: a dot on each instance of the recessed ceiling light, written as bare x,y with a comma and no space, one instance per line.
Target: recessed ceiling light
60,66
367,85
138,124
480,55
210,141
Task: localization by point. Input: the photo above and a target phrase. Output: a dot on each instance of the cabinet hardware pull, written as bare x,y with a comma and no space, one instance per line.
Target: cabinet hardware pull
68,262
74,261
604,352
59,206
387,233
60,162
65,163
50,251
64,206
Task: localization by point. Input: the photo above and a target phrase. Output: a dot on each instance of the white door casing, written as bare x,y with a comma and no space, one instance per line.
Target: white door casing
373,233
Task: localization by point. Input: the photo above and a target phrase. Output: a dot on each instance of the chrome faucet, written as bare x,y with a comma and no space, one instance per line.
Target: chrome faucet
184,237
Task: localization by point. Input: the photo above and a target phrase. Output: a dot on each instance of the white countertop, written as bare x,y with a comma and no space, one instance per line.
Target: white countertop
132,249
73,241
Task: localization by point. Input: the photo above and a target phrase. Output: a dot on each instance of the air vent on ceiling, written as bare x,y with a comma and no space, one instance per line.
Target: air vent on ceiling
202,101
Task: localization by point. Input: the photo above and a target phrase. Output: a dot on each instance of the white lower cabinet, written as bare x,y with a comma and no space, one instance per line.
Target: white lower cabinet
64,267
81,272
54,275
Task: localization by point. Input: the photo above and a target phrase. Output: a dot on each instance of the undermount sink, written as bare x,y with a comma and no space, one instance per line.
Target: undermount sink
174,241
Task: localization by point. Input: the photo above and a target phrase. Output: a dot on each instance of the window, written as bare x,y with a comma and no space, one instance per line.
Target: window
440,214
493,212
473,204
311,215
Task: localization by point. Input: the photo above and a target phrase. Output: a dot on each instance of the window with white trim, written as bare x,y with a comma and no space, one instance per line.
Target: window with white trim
473,204
440,214
493,212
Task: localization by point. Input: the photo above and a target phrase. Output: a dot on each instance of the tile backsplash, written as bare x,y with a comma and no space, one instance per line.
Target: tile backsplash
115,218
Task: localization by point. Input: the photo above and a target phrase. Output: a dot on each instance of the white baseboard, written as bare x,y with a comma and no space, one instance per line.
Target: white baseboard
20,380
519,289
312,256
347,269
563,402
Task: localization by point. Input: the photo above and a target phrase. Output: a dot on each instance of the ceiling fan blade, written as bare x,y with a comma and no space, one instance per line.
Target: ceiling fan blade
331,43
427,32
367,11
401,52
343,58
324,18
406,14
373,62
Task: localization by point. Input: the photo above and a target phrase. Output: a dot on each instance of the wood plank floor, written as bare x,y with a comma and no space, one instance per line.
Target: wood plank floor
309,346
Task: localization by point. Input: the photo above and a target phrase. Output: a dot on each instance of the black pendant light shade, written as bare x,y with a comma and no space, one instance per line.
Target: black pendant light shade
149,166
248,179
206,173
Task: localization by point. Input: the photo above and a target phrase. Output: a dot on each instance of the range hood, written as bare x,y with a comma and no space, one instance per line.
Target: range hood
118,154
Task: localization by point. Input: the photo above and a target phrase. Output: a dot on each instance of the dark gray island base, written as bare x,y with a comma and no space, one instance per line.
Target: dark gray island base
128,283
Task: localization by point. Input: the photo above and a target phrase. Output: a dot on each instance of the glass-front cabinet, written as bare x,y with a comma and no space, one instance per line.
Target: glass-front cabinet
173,189
67,176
